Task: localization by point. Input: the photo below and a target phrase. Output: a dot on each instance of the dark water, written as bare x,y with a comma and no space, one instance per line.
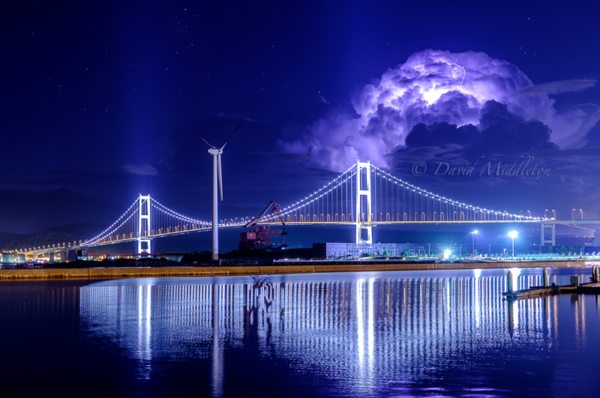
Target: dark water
430,333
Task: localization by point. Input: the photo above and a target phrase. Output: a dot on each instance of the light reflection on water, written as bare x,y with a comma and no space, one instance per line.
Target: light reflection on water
369,333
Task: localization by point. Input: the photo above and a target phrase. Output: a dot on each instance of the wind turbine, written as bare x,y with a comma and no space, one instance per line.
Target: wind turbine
217,174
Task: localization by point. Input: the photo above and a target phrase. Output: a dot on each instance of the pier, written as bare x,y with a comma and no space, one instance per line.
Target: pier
575,287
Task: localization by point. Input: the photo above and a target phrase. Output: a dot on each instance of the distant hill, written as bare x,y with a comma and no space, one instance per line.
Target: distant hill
490,237
50,236
28,212
6,238
82,231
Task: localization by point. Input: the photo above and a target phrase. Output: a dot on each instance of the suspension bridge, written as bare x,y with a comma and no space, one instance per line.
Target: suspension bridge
362,197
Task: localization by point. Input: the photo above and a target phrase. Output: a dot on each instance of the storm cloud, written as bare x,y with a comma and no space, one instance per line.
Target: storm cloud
470,90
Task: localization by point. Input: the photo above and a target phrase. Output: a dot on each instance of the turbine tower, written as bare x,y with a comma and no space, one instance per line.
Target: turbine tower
217,174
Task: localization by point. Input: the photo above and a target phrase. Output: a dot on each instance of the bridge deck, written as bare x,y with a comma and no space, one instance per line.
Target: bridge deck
301,223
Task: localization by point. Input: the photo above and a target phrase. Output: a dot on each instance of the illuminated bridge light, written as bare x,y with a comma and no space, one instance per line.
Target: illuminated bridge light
335,198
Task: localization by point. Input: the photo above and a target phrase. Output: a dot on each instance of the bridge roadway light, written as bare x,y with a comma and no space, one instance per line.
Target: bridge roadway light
513,235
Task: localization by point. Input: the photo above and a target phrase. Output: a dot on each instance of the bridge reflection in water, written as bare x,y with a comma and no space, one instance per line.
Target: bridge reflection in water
362,330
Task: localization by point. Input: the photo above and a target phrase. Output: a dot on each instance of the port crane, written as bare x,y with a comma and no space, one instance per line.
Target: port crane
259,233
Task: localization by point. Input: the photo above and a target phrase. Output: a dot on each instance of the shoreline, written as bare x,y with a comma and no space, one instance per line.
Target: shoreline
182,271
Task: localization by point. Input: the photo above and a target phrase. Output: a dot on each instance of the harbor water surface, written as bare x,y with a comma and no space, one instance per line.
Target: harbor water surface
417,333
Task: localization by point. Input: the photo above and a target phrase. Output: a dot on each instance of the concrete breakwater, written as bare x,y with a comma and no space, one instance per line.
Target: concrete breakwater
318,267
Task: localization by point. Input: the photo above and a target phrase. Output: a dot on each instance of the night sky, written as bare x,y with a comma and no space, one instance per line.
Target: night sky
104,98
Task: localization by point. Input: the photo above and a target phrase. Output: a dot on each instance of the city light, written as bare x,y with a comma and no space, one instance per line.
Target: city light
513,235
473,233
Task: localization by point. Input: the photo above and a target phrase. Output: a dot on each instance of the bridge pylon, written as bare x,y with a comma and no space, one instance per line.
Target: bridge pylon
552,227
363,202
144,231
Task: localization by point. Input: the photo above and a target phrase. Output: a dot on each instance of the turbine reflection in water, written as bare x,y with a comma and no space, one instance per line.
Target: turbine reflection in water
364,331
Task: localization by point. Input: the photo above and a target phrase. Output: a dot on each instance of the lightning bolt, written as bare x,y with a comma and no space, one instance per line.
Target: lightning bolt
464,71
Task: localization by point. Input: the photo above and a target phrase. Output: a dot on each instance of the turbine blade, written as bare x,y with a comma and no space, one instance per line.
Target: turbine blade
220,175
231,136
209,144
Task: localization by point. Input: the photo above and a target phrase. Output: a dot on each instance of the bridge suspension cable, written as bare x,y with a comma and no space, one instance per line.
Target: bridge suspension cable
331,203
420,205
119,223
164,221
393,201
381,198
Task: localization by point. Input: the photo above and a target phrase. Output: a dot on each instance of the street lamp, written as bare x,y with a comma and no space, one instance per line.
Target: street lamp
528,212
572,216
545,211
473,233
513,235
581,213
